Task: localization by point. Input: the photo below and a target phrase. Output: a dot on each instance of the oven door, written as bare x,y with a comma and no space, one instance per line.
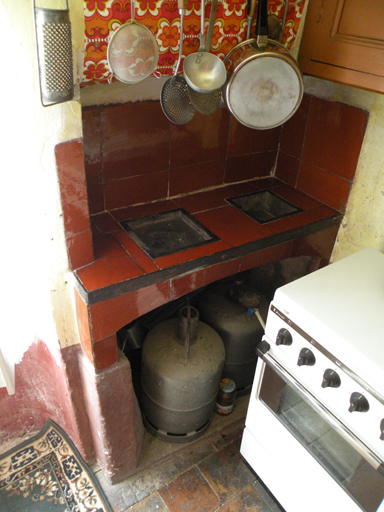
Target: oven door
307,459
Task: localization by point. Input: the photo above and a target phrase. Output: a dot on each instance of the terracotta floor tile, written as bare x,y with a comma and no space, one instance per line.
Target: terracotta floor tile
294,221
247,500
104,222
190,492
227,472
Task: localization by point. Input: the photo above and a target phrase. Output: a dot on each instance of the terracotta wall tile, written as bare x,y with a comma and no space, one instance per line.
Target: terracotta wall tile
243,140
111,315
96,199
293,131
80,250
135,139
277,253
247,167
185,284
105,352
196,177
137,189
83,326
334,137
323,186
287,168
204,138
92,145
70,166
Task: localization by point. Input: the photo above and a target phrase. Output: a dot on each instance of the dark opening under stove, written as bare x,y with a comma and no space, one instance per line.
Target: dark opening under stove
264,206
166,233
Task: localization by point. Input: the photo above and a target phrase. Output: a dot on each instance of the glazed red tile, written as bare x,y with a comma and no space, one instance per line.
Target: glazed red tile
191,254
287,168
96,199
104,222
108,271
106,246
265,256
294,221
70,166
202,201
323,186
293,131
142,210
327,212
138,189
296,197
136,253
318,245
232,226
203,139
105,352
196,177
195,280
83,325
243,140
334,137
135,139
111,315
92,145
247,167
80,249
248,187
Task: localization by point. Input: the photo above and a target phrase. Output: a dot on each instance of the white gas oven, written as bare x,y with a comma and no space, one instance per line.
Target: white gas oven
314,430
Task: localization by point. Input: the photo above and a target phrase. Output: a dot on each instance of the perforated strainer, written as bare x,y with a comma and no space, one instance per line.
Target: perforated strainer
132,52
174,98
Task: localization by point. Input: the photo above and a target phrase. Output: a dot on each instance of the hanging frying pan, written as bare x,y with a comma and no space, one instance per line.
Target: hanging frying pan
264,87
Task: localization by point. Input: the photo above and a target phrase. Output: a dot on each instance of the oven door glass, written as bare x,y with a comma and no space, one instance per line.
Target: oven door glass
296,412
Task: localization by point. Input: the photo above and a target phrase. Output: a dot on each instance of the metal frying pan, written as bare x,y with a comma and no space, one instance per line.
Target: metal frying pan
174,98
265,85
132,51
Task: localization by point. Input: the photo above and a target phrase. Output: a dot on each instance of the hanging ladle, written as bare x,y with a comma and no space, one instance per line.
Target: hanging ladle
203,71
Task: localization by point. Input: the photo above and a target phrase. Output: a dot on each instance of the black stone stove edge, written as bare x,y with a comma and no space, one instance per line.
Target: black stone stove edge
176,271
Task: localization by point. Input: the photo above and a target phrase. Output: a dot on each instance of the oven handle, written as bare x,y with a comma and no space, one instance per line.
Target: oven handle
262,351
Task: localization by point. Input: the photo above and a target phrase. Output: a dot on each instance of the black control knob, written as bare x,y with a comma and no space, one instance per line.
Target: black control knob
331,379
358,403
306,357
284,337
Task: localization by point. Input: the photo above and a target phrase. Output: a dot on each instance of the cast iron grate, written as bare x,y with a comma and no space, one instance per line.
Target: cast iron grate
264,206
166,233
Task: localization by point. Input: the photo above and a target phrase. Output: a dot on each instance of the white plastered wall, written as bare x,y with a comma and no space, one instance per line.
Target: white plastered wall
37,291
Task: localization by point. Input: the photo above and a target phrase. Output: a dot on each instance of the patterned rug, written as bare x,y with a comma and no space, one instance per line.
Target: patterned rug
47,474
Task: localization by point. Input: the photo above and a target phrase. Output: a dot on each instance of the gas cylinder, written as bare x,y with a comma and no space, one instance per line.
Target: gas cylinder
229,309
182,363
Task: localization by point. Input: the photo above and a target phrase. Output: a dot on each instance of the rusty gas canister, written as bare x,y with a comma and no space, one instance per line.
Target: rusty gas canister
226,396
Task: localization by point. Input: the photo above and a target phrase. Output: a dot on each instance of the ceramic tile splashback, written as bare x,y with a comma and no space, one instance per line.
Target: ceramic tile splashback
162,18
129,162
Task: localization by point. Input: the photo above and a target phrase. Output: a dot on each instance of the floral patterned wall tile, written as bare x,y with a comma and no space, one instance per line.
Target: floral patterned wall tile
162,18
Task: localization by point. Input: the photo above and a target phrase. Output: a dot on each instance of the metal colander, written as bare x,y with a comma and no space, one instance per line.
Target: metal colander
54,50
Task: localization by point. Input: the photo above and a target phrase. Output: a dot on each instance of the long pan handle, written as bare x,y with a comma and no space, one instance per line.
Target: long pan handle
251,15
212,19
262,24
182,6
